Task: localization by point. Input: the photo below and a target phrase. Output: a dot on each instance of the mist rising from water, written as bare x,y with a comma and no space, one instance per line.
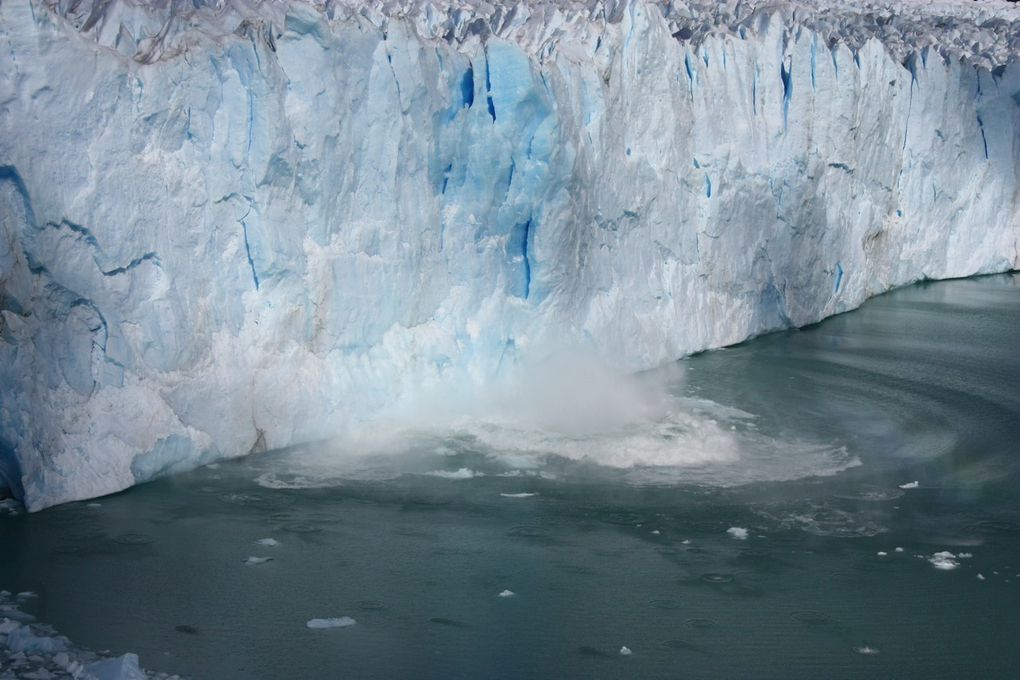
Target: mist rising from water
567,417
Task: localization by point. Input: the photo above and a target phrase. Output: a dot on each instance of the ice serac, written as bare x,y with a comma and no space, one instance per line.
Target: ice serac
228,226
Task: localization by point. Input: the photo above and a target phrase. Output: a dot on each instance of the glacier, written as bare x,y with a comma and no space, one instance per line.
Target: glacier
229,226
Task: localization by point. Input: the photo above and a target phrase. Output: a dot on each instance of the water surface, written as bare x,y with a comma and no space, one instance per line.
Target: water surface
620,539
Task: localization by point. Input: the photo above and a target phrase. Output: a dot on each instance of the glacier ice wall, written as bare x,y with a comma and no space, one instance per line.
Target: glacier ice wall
242,225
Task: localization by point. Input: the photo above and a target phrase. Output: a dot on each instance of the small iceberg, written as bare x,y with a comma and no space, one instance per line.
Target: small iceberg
462,473
251,561
944,560
271,542
120,668
507,593
738,533
625,651
338,622
518,495
910,485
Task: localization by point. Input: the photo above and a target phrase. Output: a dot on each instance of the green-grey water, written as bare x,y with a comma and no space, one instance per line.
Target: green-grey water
802,438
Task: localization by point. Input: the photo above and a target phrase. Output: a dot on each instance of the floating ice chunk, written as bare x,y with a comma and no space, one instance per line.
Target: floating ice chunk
738,533
899,549
981,577
251,561
507,593
944,560
686,541
271,542
882,553
24,639
910,485
338,622
965,555
26,594
867,650
121,668
462,473
625,651
656,532
518,495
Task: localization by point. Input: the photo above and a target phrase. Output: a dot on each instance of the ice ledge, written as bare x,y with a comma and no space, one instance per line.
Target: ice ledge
984,33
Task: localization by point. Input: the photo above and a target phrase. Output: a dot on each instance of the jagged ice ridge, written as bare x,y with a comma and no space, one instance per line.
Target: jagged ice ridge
237,225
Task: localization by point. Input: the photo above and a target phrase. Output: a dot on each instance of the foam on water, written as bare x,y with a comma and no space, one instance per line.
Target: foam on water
567,419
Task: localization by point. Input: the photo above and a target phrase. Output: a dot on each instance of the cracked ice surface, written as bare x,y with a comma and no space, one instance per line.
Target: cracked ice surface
241,225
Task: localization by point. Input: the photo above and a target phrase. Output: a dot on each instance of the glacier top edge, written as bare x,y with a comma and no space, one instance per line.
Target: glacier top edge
985,33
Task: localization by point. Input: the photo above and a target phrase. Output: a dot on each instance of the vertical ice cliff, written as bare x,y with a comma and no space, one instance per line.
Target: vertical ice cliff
232,225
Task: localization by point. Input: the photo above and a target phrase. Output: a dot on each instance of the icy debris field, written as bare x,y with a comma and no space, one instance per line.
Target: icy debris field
30,650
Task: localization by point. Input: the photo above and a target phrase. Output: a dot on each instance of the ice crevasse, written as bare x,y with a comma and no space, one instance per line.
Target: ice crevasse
235,225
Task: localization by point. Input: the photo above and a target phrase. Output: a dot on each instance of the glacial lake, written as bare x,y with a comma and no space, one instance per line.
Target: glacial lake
841,501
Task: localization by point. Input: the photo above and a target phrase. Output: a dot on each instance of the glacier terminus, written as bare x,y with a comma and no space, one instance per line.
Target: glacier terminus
231,225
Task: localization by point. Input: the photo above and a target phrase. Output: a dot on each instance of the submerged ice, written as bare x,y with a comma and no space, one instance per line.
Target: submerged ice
226,228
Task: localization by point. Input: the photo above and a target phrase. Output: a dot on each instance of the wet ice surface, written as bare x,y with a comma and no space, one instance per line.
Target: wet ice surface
835,578
30,650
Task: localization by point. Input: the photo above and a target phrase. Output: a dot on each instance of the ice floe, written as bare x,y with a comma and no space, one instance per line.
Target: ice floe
338,622
462,473
944,560
738,533
252,561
